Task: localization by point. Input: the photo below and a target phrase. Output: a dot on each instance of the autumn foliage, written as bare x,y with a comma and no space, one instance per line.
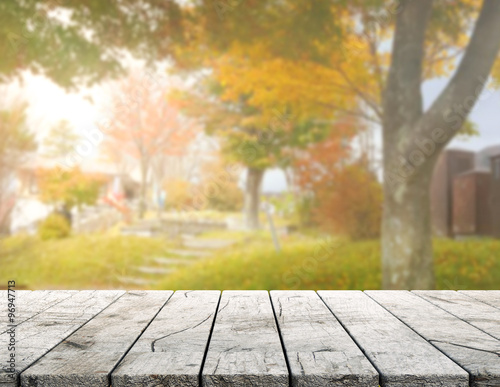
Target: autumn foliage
69,188
351,203
145,125
347,197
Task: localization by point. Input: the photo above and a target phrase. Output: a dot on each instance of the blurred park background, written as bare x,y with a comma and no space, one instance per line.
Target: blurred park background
238,144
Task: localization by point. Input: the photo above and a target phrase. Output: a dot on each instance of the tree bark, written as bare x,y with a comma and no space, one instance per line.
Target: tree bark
407,260
413,140
252,197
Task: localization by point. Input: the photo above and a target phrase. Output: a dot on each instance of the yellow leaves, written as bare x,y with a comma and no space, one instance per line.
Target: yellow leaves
306,87
70,187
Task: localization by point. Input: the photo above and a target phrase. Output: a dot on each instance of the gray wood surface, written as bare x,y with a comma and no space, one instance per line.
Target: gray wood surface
20,295
43,331
171,351
87,357
31,303
490,297
474,350
319,351
245,348
481,315
397,338
402,357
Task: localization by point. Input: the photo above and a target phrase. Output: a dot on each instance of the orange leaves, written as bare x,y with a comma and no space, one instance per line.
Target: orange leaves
68,187
146,123
352,203
308,88
320,161
347,195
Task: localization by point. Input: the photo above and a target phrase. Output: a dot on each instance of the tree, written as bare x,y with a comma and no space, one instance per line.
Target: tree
257,138
341,61
68,188
413,138
146,126
345,193
17,142
60,141
82,42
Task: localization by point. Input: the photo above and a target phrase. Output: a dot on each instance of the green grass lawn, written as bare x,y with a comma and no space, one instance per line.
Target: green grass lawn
80,262
306,262
313,263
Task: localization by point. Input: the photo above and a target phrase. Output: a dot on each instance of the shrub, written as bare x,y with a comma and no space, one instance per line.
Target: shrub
179,194
351,203
219,188
224,195
55,226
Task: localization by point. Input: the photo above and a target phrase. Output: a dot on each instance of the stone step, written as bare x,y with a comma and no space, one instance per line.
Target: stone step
173,261
208,243
134,281
154,270
190,253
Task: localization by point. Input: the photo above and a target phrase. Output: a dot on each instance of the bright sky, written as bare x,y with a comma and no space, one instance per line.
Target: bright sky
50,104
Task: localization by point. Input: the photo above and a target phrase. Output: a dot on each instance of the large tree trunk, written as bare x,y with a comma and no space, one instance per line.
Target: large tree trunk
252,197
413,139
407,261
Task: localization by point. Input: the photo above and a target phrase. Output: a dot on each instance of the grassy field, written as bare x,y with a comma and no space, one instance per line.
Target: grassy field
80,262
306,262
314,263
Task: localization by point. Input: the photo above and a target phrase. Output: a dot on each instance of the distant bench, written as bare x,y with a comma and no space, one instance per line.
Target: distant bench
253,338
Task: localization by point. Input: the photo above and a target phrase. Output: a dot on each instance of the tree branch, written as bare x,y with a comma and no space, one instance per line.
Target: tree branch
449,112
365,97
403,95
352,113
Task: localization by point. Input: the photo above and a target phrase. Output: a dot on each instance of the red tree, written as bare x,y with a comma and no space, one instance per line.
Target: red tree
145,124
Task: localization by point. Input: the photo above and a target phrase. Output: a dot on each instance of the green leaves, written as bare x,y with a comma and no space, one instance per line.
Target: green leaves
81,42
17,140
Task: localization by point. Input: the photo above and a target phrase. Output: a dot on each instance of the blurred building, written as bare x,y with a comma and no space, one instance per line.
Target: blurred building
465,193
451,163
495,195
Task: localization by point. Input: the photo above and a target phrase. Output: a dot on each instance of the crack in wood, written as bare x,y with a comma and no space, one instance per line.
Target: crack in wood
175,333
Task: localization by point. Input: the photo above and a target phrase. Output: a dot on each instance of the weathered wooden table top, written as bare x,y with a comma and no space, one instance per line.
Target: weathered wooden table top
251,338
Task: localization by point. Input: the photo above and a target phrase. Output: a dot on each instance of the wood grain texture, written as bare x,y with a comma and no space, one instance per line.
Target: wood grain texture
171,350
87,357
31,303
319,351
474,350
245,348
476,313
490,297
20,297
43,331
402,357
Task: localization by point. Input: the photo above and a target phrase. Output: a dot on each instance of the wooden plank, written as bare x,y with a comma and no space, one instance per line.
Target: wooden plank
472,311
38,335
171,351
490,297
319,350
245,348
402,357
31,303
4,319
474,350
88,356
